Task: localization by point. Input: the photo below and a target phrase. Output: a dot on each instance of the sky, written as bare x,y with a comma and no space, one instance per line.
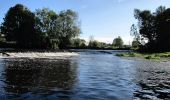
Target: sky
102,19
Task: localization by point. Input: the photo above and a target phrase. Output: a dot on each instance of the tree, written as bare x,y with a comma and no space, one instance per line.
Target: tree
42,29
135,44
163,29
79,43
68,27
118,42
103,45
57,29
47,23
18,26
146,25
154,27
94,44
134,32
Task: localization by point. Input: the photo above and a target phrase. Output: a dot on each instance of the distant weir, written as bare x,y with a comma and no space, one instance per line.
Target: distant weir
37,54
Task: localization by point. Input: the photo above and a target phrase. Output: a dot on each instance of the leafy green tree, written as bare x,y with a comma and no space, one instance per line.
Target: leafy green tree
146,23
163,29
48,26
103,45
154,27
79,43
57,30
83,43
18,26
118,42
94,44
135,44
42,29
68,27
134,32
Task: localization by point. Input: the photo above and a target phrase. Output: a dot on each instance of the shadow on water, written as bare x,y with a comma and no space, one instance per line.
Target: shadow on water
39,77
92,75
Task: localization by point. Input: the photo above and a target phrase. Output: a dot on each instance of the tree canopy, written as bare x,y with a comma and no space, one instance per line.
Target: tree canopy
79,43
19,26
118,42
69,27
154,28
42,29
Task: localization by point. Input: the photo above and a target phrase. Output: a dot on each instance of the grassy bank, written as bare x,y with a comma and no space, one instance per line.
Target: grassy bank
145,55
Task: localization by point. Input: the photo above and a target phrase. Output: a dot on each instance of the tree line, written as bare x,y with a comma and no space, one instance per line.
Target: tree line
43,29
152,31
46,29
94,44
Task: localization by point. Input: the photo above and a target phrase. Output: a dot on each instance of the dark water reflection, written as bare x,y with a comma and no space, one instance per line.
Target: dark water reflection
90,76
40,77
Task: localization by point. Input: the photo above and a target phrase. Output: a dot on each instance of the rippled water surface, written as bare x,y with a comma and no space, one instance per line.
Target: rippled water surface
90,76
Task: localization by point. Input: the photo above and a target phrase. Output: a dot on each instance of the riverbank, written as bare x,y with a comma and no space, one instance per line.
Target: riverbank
145,55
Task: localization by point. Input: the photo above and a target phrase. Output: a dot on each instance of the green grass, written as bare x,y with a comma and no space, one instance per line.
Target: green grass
131,54
152,57
165,54
145,55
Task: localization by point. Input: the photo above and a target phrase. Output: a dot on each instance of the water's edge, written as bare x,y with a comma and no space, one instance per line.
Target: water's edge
36,54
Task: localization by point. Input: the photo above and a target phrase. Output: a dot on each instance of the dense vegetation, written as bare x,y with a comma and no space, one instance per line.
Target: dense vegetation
145,55
153,31
45,29
118,42
42,29
94,44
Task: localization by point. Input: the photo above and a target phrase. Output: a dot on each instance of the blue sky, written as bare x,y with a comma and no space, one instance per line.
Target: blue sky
104,19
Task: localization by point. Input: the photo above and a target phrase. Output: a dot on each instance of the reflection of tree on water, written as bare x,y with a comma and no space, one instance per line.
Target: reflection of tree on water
39,75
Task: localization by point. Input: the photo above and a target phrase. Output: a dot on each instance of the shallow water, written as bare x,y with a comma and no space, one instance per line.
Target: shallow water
93,75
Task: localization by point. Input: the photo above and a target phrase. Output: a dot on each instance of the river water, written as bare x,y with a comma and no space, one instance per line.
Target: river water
93,75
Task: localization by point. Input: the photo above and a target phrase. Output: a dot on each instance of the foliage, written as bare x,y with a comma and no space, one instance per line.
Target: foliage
94,44
118,42
135,44
152,57
79,43
68,27
42,29
58,29
134,32
130,54
145,55
154,27
19,26
47,25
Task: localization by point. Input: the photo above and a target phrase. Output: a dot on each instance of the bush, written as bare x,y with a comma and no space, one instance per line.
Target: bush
152,57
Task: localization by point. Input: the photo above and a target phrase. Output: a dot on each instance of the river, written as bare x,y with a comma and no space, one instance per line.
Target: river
92,75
